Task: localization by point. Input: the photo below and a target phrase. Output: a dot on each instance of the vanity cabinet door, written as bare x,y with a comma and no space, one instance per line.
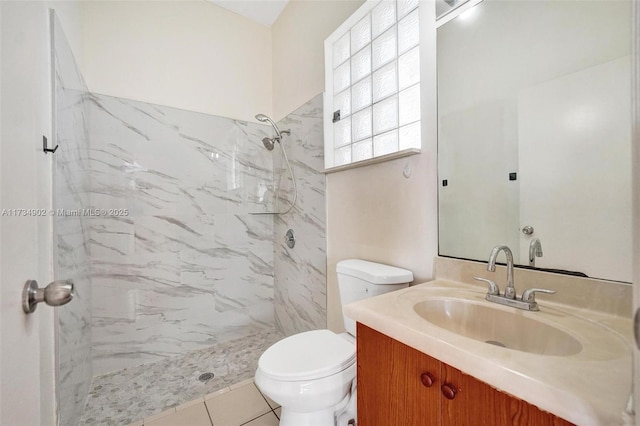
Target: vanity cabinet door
397,385
468,401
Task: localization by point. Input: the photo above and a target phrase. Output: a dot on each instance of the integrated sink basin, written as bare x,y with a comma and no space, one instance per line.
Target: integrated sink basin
507,328
565,359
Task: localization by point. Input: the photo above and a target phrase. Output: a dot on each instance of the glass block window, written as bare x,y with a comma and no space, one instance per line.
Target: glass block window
372,93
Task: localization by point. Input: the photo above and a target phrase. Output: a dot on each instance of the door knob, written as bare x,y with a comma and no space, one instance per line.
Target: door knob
57,293
527,230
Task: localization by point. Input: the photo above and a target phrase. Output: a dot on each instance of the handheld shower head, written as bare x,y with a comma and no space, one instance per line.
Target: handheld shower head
270,143
264,119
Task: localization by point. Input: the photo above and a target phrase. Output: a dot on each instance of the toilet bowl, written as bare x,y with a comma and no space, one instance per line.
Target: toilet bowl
312,374
309,375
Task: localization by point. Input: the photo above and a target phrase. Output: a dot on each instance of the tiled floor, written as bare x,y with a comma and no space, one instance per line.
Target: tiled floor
240,404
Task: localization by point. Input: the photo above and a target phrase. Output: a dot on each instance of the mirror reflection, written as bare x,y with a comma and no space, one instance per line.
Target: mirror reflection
445,7
534,134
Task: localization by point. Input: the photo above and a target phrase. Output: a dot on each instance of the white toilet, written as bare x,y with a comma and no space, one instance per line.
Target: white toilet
312,374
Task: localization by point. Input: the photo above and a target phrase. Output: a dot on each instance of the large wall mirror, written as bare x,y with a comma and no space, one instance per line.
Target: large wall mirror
534,134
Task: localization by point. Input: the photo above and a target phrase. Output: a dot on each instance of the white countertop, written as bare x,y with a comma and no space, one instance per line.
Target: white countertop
589,388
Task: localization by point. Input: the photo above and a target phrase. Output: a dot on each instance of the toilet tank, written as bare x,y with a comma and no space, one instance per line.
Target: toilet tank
360,279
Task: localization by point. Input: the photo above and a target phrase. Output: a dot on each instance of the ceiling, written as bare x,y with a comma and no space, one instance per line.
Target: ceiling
264,12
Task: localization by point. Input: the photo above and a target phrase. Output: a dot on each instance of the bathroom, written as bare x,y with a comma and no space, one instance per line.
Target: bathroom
195,73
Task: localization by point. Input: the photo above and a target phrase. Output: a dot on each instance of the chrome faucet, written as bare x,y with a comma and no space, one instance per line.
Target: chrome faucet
535,250
528,299
510,290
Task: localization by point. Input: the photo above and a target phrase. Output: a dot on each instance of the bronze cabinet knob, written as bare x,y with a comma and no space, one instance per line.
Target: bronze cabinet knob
427,379
449,391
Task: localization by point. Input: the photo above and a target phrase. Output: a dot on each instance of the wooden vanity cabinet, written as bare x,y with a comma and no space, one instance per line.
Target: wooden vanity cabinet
390,388
398,385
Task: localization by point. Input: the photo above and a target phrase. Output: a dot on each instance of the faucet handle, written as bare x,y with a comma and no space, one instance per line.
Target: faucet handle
493,287
529,295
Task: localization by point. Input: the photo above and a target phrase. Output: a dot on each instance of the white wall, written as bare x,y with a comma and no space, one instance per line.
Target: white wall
26,342
70,14
236,67
377,214
298,49
192,55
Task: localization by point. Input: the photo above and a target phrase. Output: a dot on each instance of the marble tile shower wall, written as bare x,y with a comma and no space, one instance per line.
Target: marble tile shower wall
300,272
72,255
180,263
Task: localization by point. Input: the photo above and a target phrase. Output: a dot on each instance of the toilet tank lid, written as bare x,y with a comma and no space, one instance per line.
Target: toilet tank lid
375,273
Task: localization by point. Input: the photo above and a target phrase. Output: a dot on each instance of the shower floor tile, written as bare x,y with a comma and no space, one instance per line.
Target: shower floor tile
124,396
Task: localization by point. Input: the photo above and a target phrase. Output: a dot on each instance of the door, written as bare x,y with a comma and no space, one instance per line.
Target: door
562,124
635,55
26,341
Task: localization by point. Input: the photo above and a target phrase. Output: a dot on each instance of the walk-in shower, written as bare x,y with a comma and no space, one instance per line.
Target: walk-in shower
270,143
181,282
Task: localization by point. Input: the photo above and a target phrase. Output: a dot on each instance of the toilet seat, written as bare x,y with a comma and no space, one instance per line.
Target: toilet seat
307,356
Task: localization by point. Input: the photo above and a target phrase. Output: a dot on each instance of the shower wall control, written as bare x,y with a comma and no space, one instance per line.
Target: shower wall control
290,239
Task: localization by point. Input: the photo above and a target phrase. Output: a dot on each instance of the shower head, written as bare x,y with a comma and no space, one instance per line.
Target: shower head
264,119
268,143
